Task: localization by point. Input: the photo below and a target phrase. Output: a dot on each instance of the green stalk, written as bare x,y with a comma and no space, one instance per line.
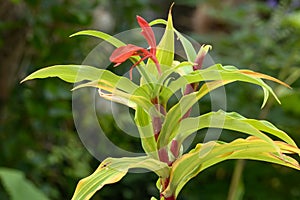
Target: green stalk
235,192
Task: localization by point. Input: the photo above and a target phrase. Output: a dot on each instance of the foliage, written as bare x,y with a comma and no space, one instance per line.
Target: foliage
19,187
264,39
163,130
35,140
41,142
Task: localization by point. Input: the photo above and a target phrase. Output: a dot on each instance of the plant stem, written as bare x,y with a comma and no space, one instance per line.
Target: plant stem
233,193
163,153
236,180
170,198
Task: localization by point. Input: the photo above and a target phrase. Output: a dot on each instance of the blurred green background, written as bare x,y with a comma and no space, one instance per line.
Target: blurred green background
37,133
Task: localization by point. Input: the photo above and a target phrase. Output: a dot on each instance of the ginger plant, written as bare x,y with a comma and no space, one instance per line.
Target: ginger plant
163,129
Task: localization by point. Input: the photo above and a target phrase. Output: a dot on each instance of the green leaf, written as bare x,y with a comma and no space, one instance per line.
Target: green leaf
187,45
173,116
165,49
158,21
222,76
18,186
118,95
211,153
184,68
163,80
121,87
143,122
101,35
231,121
111,170
68,73
77,73
219,72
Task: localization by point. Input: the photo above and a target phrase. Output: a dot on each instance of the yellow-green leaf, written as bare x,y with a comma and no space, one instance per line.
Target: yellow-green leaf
165,49
77,73
211,153
143,122
231,121
112,170
101,35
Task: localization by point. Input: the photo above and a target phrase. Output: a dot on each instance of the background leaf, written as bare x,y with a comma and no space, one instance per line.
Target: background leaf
18,187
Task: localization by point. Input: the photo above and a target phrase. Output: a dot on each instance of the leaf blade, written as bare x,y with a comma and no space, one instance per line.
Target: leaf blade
77,73
18,186
211,153
101,35
112,170
165,48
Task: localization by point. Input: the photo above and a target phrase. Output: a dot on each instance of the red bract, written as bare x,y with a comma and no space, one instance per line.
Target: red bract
121,54
147,32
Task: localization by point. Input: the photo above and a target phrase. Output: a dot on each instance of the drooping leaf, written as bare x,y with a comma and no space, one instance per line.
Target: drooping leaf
77,73
217,76
231,121
99,78
68,73
264,76
101,35
227,73
117,98
112,170
158,21
211,153
142,99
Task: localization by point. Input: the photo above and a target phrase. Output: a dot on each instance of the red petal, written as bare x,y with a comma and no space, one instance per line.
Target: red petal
148,33
122,53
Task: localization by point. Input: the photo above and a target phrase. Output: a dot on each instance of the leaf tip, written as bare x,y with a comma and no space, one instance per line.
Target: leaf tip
171,7
27,78
72,35
22,81
77,33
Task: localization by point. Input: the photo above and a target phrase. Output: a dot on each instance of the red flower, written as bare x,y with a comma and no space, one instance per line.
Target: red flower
121,54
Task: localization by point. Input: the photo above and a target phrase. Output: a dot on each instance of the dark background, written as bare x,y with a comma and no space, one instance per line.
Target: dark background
37,133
